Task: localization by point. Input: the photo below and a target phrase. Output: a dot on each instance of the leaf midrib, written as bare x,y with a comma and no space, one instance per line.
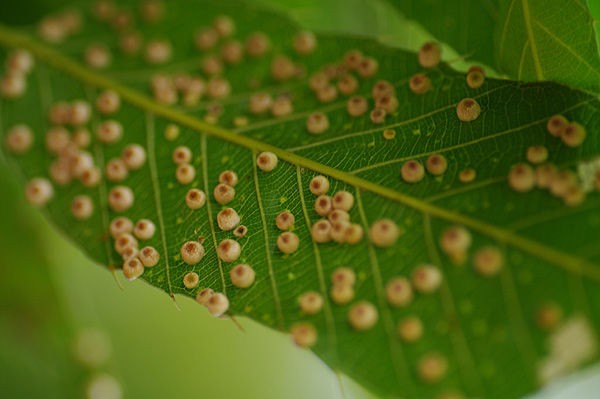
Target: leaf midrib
12,38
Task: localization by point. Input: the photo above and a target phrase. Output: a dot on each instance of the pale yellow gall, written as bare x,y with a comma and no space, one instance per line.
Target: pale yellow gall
82,207
368,67
60,171
212,65
398,292
317,123
467,175
130,43
363,316
158,51
132,269
224,25
232,52
562,181
573,135
468,110
304,335
144,229
352,59
430,55
228,219
378,115
20,60
321,231
475,79
388,103
134,156
285,220
318,81
185,173
384,233
343,276
304,42
240,231
556,125
426,279
260,103
544,174
130,252
57,139
521,178
310,302
282,68
488,261
357,106
319,185
267,161
228,250
108,102
419,83
455,241
288,242
217,304
323,205
192,252
81,162
347,84
537,154
257,44
149,256
282,106
79,113
224,193
242,276
354,233
82,138
97,56
436,164
412,171
341,294
338,231
109,132
389,134
182,155
191,280
195,199
123,241
218,88
120,225
343,200
327,93
338,215
432,367
410,329
19,139
120,198
204,295
206,38
116,170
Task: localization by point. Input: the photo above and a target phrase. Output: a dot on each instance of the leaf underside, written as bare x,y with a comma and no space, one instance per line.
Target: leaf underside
484,327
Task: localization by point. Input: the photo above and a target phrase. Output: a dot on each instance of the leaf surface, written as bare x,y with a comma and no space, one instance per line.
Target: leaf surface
485,328
530,40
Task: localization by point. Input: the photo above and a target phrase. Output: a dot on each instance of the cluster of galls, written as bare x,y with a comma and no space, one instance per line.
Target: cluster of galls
563,184
126,236
13,84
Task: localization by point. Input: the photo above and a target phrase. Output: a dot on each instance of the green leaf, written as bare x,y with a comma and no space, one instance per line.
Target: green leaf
485,328
525,39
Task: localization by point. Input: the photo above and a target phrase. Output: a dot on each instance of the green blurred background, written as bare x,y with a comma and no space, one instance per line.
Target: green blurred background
54,301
